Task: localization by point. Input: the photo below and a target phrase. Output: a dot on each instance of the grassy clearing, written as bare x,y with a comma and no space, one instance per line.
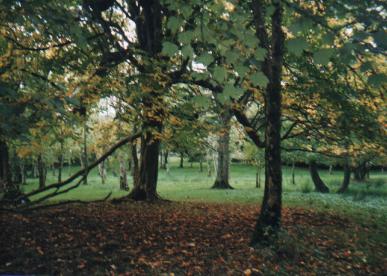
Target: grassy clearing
189,184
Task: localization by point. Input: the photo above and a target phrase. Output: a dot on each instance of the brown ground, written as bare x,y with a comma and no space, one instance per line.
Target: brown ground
183,238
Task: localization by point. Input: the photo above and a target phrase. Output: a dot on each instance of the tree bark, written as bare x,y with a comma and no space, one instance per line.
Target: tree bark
16,172
85,156
135,172
222,173
209,165
319,185
347,178
360,172
23,173
60,162
161,160
268,222
123,175
181,166
258,174
5,172
293,173
102,171
42,171
166,153
145,187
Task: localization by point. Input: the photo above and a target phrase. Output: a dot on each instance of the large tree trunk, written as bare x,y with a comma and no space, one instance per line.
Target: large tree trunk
222,173
148,19
347,178
319,185
42,171
145,187
5,172
268,222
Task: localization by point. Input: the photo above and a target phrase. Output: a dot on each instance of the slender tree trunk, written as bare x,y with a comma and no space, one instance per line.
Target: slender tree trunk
181,160
5,172
347,178
42,171
85,155
123,175
201,164
319,185
222,173
330,169
135,172
102,171
258,174
269,220
23,173
35,172
161,160
360,172
293,173
16,169
209,165
165,159
60,162
60,167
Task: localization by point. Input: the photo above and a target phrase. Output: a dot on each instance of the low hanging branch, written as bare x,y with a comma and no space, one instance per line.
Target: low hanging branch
85,170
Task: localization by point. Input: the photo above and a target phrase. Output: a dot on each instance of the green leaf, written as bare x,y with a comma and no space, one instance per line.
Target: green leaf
201,102
381,38
187,51
259,79
205,59
301,25
186,10
377,80
186,37
232,56
328,38
323,56
220,74
174,24
260,54
251,40
242,70
169,49
230,91
297,45
366,66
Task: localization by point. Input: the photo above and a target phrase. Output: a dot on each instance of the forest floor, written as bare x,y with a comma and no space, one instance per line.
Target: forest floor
173,238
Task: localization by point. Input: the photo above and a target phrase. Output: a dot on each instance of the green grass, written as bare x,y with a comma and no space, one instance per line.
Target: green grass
189,184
